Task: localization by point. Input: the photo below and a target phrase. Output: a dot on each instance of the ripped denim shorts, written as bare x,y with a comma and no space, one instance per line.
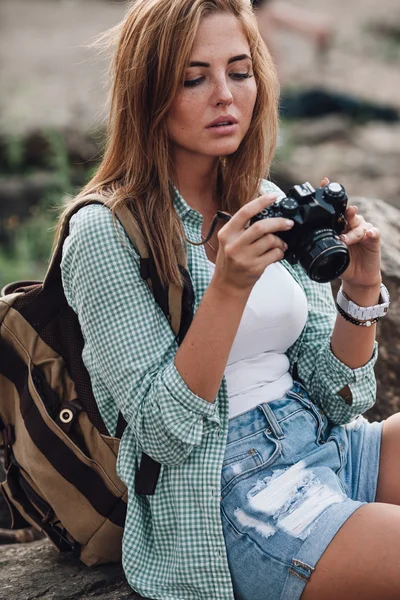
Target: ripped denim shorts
290,479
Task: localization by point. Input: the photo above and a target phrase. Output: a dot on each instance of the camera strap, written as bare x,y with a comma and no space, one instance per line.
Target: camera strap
220,214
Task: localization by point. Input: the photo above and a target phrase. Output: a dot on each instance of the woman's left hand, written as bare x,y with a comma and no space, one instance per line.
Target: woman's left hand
364,244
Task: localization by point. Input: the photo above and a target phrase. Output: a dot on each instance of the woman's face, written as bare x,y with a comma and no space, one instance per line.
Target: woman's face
219,88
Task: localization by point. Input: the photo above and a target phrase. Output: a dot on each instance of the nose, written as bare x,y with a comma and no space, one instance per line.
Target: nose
222,93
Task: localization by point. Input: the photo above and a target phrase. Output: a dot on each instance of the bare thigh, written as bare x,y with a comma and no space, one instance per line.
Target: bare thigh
389,465
363,559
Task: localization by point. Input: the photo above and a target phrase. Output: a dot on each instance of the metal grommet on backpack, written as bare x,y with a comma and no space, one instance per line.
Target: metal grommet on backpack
67,414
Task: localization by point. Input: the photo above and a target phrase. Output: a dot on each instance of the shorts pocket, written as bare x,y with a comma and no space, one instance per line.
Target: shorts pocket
341,453
245,457
240,464
315,413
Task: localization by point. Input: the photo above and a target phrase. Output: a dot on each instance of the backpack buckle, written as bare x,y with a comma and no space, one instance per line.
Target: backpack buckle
9,440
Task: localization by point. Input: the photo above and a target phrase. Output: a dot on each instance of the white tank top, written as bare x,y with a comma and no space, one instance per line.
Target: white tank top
274,316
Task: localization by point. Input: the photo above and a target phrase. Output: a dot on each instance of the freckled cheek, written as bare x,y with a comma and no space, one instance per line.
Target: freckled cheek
186,117
246,102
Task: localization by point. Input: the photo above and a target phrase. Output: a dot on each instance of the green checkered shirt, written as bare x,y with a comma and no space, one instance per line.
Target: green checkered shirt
173,547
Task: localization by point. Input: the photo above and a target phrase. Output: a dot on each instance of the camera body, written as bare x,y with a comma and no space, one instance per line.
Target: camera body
319,219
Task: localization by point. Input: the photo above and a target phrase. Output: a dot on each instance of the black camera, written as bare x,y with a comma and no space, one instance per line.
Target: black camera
319,219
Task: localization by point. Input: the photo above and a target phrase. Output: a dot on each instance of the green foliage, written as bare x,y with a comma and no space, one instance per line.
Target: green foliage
27,250
58,160
387,40
286,143
13,153
391,51
27,254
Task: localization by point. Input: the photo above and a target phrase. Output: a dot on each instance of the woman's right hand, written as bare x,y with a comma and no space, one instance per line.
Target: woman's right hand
245,252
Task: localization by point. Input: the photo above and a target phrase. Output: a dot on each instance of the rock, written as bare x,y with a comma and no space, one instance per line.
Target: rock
387,218
383,139
20,536
36,571
321,130
387,369
365,159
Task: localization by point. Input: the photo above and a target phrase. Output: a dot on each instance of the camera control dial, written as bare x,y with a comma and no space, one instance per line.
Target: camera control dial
334,191
289,207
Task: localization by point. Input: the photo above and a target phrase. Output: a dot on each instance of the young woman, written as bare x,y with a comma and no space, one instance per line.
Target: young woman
268,487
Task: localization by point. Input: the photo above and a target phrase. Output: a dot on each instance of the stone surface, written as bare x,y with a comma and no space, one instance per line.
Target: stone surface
363,158
36,571
387,218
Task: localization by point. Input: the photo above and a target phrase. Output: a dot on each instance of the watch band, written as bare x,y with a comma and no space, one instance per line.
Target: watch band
364,313
355,321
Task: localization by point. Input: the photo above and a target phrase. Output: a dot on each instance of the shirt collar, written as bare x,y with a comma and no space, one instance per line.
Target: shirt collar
184,210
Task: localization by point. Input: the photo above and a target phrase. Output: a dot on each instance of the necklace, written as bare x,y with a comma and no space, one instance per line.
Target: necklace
208,243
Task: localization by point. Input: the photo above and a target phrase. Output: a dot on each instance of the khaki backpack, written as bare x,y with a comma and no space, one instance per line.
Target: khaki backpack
60,460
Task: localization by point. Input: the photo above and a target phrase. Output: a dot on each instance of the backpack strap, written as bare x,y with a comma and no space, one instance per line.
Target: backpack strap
175,302
53,275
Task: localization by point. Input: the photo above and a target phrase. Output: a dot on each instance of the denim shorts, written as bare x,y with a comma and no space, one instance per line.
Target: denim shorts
290,479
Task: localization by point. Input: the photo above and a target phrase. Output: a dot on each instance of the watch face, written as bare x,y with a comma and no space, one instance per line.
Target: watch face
385,296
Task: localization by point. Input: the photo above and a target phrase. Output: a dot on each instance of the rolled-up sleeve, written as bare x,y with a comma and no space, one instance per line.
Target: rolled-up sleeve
322,373
128,343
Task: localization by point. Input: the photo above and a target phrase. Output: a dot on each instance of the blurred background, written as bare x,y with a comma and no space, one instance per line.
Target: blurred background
53,92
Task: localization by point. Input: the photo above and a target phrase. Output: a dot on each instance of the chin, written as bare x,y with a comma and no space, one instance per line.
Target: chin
222,148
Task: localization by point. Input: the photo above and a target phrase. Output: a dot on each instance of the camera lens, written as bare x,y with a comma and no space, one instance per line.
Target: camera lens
323,256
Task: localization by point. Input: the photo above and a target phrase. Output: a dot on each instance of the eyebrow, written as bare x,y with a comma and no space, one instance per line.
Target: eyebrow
197,63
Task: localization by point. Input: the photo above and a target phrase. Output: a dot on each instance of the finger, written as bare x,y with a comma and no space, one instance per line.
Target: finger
249,210
373,233
355,236
261,228
324,182
271,256
353,220
266,243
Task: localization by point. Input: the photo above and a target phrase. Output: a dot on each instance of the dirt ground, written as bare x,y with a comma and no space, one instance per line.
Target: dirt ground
49,78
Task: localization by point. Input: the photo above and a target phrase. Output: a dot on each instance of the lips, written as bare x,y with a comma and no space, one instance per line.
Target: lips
223,121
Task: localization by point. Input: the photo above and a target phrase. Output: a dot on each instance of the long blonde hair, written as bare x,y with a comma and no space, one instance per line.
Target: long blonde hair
153,48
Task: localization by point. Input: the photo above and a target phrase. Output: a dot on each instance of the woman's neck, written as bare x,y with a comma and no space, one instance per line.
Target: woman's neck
196,181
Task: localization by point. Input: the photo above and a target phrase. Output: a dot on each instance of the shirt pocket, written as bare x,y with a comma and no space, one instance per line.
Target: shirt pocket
246,457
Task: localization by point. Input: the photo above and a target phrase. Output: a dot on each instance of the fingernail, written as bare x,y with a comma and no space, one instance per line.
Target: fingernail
343,237
289,222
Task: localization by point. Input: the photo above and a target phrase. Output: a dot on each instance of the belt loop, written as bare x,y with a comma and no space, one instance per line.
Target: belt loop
273,423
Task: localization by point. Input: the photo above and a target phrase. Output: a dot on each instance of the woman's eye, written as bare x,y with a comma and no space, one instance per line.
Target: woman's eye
193,82
237,76
241,75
